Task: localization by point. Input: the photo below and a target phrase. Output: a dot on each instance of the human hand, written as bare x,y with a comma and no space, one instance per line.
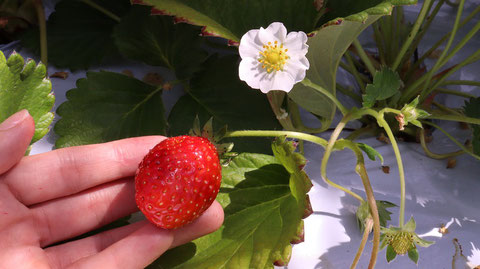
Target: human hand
54,196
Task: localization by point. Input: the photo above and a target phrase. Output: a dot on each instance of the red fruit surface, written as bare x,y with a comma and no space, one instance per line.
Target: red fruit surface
177,181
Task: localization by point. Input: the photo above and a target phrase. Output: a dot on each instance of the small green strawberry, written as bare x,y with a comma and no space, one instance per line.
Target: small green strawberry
178,180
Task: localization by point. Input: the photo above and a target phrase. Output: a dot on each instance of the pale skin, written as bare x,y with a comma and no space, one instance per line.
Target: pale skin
54,196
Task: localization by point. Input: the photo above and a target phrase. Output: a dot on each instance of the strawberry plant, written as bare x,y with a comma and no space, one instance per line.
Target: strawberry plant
258,70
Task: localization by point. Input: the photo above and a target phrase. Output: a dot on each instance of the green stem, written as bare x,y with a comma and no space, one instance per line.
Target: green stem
308,83
462,43
372,204
413,89
433,155
355,72
449,117
360,131
461,82
471,59
267,133
379,42
413,33
439,42
298,122
42,26
365,58
102,10
328,152
447,109
366,232
453,92
350,70
465,149
420,36
349,93
297,135
443,57
382,123
276,100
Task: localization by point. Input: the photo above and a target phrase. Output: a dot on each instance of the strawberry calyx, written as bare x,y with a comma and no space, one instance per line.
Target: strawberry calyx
224,150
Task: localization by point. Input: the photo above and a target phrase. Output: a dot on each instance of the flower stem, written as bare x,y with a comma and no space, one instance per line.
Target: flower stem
372,204
365,58
328,152
436,155
276,100
267,133
465,149
328,94
366,232
42,25
412,35
382,123
102,10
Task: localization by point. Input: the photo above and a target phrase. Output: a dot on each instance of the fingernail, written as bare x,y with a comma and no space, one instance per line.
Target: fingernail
14,120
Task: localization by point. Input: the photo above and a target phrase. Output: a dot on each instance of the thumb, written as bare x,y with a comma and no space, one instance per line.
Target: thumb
16,132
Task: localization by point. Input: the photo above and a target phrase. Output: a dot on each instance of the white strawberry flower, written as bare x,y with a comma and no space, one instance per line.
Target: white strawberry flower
273,60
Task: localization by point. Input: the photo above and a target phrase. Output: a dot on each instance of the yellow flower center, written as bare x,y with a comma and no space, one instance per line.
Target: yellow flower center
274,57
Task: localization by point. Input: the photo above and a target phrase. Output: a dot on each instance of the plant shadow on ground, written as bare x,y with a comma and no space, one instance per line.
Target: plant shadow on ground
429,215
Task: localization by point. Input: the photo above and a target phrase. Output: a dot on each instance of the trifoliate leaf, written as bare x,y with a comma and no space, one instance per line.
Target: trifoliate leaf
386,83
217,92
391,254
79,35
262,217
413,255
472,109
371,152
155,40
26,87
107,106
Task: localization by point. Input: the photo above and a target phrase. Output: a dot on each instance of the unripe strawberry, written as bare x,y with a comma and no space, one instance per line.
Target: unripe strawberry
177,181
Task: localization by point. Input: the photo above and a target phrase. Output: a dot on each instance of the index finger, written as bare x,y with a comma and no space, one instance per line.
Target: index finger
66,171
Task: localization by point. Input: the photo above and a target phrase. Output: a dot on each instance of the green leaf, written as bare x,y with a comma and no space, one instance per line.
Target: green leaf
25,86
413,255
472,110
326,48
391,254
386,83
355,10
107,106
383,212
363,213
217,92
78,35
155,40
371,152
262,216
231,19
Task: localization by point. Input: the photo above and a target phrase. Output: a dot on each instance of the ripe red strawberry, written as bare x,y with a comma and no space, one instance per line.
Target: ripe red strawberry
177,180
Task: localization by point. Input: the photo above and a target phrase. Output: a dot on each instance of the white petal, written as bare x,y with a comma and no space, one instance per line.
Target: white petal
296,69
296,42
250,44
277,81
250,72
278,30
